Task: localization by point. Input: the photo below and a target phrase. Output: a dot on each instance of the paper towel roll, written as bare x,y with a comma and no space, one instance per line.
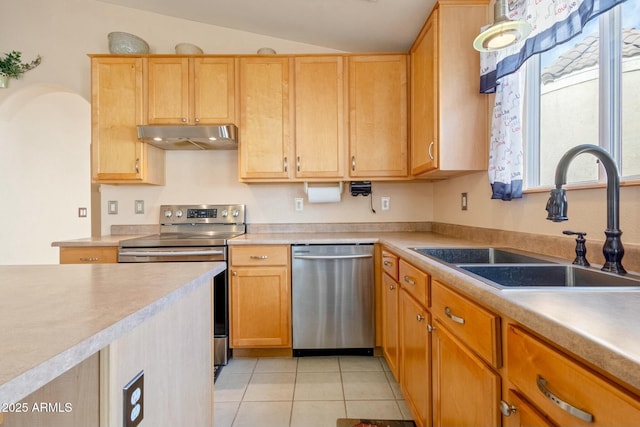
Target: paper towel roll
323,194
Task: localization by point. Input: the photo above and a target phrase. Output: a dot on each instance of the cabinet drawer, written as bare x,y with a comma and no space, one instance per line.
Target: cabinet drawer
390,264
259,255
415,282
551,381
88,255
472,324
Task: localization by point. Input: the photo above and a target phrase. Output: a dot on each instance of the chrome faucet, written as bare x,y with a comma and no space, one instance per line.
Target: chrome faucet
557,204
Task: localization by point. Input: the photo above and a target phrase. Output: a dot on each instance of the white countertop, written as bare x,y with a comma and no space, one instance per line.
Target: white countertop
55,316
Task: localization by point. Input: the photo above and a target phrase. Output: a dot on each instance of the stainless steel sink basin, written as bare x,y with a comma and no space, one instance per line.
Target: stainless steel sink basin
548,276
480,256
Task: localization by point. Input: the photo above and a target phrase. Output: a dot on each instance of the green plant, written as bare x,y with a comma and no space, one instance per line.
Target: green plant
12,66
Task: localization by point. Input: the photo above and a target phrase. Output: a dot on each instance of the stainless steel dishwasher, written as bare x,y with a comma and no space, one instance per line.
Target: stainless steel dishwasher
333,299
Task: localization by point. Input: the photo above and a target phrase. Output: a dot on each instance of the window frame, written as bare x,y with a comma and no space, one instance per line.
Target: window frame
609,101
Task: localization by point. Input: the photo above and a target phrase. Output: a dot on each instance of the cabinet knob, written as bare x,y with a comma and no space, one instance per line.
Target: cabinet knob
507,409
184,120
391,287
197,120
430,328
419,317
234,273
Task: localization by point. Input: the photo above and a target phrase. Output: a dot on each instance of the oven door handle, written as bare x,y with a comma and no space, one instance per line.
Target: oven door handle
170,253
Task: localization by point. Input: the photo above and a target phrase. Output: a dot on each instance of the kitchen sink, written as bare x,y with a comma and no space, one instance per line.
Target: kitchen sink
548,276
480,256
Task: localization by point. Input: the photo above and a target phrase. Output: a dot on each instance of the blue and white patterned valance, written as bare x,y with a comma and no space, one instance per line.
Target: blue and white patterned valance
553,22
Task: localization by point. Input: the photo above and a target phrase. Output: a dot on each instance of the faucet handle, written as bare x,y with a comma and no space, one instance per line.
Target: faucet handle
581,249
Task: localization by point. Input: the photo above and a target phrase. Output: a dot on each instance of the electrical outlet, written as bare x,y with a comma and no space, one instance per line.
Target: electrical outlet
299,202
463,201
82,212
384,203
133,401
139,206
112,207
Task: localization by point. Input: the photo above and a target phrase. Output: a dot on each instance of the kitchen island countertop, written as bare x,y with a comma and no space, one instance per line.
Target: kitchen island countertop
55,316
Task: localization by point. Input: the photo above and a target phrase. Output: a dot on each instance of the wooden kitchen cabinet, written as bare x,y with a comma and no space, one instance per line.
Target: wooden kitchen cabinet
449,116
415,347
117,107
378,116
561,389
88,254
390,329
265,151
466,354
466,391
191,90
260,296
320,119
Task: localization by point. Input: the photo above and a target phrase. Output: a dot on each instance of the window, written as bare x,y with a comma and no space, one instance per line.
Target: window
587,91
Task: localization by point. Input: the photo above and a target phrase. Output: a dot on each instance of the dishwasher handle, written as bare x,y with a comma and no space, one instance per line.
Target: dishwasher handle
320,257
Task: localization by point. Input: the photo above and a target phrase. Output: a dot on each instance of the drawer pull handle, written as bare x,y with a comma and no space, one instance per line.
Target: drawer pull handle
409,280
90,259
259,256
430,150
578,413
452,316
419,317
387,263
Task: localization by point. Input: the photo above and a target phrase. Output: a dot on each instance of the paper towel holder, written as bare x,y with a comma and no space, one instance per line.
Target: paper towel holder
306,187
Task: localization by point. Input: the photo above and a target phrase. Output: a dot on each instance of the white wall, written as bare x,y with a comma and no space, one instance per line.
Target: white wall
586,209
44,172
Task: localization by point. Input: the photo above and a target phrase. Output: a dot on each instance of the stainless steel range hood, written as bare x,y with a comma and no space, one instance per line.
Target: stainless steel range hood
188,137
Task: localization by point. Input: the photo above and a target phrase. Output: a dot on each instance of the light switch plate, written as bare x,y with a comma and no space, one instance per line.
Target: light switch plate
139,206
112,207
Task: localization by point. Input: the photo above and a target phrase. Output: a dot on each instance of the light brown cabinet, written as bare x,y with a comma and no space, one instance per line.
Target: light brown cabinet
117,156
88,254
265,118
191,90
378,116
562,389
260,296
466,391
449,116
466,354
415,344
390,312
320,119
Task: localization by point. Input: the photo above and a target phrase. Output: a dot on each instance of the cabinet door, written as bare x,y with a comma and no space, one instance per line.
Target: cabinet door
466,391
320,117
214,92
424,99
378,116
415,353
260,307
390,301
117,156
168,91
265,132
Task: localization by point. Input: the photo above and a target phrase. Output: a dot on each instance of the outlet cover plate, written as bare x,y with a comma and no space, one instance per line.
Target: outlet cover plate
133,401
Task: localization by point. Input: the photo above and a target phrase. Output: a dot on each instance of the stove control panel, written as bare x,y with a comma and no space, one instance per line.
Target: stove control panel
202,214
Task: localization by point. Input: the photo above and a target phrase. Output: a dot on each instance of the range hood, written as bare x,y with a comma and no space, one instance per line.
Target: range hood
189,137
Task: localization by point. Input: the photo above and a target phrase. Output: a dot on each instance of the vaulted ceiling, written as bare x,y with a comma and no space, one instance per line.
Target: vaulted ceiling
347,25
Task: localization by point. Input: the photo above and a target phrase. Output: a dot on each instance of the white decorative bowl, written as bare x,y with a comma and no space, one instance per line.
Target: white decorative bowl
266,51
120,42
188,49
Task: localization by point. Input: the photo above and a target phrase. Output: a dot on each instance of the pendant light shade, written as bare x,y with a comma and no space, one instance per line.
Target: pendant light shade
503,32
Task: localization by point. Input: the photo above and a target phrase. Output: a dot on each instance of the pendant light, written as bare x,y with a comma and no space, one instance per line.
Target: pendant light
503,32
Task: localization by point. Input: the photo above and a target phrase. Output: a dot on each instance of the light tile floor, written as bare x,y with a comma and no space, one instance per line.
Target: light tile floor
306,391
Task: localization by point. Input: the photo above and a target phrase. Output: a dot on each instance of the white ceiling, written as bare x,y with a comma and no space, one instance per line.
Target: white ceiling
346,25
